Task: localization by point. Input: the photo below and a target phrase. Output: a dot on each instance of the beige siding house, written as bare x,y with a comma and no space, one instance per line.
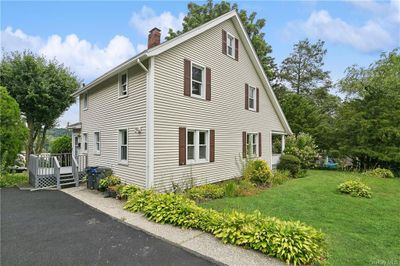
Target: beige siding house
188,110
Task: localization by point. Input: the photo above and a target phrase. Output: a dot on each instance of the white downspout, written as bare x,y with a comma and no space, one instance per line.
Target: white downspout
149,123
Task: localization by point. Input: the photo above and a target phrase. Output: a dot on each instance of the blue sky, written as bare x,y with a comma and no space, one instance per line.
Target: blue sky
93,36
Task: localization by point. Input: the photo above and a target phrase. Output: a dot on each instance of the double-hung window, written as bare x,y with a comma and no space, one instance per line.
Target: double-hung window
197,146
123,146
252,144
123,84
85,101
252,98
85,142
230,44
97,142
197,81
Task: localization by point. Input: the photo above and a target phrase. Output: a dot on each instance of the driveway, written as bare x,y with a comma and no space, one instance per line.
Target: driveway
52,228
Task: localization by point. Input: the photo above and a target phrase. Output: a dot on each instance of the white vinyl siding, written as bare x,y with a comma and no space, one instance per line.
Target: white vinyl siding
224,113
97,142
85,101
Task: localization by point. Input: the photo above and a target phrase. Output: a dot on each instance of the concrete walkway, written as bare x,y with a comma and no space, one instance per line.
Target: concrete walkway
196,241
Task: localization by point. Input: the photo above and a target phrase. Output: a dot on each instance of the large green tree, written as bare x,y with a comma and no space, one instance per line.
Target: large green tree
13,131
368,123
199,14
42,89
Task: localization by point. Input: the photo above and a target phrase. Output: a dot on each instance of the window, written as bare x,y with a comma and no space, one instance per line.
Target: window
252,144
230,43
252,98
197,81
123,145
85,101
197,146
123,84
97,142
85,142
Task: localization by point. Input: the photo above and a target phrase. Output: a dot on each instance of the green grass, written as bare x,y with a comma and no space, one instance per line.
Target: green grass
359,231
10,180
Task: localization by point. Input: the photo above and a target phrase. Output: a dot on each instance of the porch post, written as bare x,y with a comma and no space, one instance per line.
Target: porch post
283,144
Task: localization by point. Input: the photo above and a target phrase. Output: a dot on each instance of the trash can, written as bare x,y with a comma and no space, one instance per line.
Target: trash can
95,174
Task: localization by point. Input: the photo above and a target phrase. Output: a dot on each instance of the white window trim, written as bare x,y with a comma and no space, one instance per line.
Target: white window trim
197,160
123,162
251,144
97,151
203,76
254,99
85,101
233,45
85,141
120,95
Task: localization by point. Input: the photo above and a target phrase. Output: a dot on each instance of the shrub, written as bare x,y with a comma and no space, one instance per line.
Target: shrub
303,147
61,145
125,191
292,242
355,188
109,181
103,184
257,171
280,177
290,163
209,191
9,180
380,172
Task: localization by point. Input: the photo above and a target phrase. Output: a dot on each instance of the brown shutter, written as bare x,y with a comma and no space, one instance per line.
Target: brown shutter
246,96
182,146
224,42
244,144
259,145
258,100
212,145
208,84
187,77
236,49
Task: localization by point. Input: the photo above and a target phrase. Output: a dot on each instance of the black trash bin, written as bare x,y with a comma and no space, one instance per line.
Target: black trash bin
95,174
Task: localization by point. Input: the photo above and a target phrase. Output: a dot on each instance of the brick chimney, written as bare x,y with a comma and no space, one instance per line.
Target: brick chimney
154,38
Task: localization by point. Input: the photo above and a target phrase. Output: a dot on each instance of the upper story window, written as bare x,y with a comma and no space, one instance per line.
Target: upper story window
197,81
123,84
252,98
230,43
252,144
85,142
97,142
123,146
197,146
85,101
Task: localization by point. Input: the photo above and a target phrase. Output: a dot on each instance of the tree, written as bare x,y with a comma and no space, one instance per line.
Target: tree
303,147
302,70
42,89
61,145
368,123
200,14
13,131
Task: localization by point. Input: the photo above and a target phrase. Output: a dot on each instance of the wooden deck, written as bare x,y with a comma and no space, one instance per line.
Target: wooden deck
44,171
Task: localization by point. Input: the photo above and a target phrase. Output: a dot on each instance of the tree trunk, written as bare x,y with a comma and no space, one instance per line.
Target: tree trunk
31,140
41,140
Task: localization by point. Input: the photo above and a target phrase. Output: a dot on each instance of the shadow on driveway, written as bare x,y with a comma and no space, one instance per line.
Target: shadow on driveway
52,228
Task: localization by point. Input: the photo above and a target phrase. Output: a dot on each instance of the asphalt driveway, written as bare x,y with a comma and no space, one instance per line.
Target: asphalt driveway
52,228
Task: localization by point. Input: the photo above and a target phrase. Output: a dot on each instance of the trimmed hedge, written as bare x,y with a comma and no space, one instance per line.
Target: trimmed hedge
292,242
290,163
257,171
204,192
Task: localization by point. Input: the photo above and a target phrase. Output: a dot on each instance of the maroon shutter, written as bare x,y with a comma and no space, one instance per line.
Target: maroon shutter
182,146
208,84
246,96
187,77
224,42
236,49
258,100
259,145
244,144
212,145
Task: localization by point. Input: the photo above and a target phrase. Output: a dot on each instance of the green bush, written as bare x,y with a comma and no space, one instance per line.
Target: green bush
292,242
109,181
125,191
230,189
290,163
355,188
61,145
303,147
209,191
257,171
10,180
279,177
380,172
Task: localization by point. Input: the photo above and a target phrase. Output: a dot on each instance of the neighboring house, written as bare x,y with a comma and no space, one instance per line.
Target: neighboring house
189,109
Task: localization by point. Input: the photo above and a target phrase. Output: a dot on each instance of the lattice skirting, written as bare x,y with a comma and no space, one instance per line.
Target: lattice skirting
46,181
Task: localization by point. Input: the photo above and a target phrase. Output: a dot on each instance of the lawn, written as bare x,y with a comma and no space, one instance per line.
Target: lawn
359,231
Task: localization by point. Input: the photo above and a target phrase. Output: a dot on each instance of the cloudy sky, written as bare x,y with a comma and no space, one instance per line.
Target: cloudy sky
93,36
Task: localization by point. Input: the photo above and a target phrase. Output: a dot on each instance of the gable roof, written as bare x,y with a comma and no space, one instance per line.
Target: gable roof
188,35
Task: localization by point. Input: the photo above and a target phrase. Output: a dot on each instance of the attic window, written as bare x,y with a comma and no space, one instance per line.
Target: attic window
230,42
123,84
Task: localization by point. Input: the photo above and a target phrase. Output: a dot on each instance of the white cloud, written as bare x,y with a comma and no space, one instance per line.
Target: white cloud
147,19
386,11
18,40
369,37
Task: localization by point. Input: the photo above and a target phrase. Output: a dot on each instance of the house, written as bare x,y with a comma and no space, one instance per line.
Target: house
187,109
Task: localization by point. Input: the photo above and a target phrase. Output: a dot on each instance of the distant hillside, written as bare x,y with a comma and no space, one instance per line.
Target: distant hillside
58,132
